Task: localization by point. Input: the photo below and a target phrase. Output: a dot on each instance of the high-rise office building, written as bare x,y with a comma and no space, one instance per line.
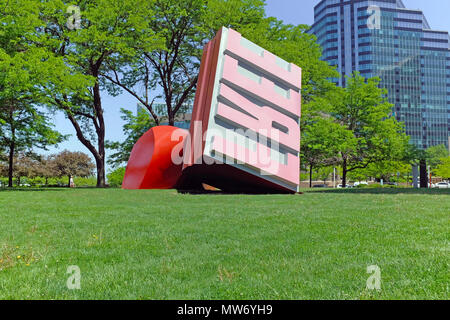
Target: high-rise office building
383,38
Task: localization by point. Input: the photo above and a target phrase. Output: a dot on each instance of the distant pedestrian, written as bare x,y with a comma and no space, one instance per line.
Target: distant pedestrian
71,183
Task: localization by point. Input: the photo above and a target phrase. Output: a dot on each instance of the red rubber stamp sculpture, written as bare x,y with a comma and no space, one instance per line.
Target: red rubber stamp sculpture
150,165
244,135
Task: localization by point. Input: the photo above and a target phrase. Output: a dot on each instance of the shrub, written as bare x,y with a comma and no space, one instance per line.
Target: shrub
84,182
115,177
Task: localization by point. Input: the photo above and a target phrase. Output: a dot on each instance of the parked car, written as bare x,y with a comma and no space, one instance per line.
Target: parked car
320,186
341,187
360,183
442,185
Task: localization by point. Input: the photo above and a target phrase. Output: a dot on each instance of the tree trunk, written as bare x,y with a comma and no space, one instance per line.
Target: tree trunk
101,182
100,160
12,146
344,173
171,119
423,174
11,164
68,182
100,128
310,175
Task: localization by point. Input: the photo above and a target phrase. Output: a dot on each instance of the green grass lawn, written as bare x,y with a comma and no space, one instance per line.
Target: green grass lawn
165,245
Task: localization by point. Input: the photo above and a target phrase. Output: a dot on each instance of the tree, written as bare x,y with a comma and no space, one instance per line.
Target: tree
25,166
373,134
46,168
185,27
73,164
135,126
320,141
443,168
435,154
23,125
108,31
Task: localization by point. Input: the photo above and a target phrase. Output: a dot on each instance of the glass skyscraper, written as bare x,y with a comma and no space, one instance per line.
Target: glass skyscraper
383,38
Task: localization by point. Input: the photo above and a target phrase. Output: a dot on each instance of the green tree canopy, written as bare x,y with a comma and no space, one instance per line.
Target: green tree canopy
107,32
362,118
443,168
23,125
321,140
435,154
171,71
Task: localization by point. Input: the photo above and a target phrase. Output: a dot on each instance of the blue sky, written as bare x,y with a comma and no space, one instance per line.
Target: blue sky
290,11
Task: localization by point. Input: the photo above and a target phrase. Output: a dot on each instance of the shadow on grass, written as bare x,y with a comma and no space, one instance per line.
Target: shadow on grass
223,193
382,191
